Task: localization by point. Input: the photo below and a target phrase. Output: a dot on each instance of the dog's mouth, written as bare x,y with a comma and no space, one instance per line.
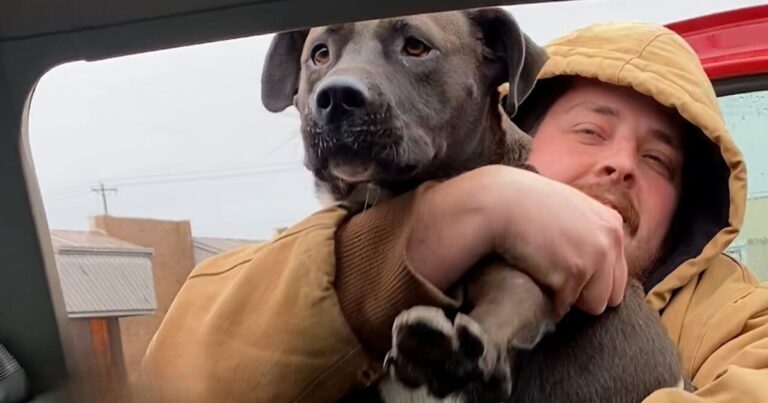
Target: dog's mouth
352,172
357,153
355,169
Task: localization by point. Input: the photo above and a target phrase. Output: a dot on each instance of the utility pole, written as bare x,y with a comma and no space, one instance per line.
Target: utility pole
101,189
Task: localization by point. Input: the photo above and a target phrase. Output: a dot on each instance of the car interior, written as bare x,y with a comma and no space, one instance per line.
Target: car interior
38,35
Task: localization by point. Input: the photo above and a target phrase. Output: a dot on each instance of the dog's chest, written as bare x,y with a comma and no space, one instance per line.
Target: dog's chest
392,391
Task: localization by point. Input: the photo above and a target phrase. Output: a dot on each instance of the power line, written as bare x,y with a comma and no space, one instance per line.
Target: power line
248,168
73,195
130,179
198,178
180,177
73,191
75,188
207,177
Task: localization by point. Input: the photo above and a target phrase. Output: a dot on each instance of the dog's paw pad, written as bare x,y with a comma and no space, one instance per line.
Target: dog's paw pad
422,338
429,350
424,335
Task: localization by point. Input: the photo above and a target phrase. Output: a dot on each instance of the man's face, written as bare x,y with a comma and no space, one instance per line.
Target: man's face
623,149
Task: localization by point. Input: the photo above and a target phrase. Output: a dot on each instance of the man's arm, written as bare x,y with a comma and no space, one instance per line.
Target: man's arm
285,320
743,379
730,354
406,251
374,280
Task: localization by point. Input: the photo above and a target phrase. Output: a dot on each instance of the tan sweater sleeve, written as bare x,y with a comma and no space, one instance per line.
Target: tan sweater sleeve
374,281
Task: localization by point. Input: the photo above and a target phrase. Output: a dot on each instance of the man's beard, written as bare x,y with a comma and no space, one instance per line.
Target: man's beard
640,256
642,263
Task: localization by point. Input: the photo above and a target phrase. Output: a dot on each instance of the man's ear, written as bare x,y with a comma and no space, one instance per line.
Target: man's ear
521,59
282,69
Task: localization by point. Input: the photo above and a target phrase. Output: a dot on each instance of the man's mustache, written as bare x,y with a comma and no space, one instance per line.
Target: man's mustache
616,198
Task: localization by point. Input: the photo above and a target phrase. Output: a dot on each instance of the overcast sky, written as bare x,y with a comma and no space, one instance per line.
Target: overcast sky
182,134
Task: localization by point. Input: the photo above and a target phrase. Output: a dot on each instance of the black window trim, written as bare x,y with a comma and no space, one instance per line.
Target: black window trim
741,84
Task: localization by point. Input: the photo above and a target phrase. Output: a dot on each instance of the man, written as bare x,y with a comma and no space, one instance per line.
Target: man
624,113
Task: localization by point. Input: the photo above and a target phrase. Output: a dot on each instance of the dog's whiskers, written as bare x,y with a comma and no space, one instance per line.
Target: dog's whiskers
368,202
376,199
367,193
394,155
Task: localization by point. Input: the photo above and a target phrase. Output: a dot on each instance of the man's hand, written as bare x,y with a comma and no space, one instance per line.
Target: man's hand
565,240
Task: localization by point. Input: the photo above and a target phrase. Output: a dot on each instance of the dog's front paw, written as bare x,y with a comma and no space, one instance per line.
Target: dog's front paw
448,358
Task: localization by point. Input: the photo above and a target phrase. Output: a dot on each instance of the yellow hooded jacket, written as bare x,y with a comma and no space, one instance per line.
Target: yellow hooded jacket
279,322
712,307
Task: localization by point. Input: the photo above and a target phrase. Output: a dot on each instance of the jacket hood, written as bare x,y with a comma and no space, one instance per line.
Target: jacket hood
657,62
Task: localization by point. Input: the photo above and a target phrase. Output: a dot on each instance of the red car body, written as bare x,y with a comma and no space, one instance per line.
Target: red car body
730,44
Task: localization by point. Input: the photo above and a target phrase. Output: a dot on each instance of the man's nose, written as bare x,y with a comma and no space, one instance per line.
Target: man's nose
338,97
619,164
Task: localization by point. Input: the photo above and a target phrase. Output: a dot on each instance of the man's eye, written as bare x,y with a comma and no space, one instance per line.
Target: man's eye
656,159
660,163
590,132
415,48
320,54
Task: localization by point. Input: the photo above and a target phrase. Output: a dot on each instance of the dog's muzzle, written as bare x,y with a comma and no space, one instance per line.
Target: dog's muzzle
350,134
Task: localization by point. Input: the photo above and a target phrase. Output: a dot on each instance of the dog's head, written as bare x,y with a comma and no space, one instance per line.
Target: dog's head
400,100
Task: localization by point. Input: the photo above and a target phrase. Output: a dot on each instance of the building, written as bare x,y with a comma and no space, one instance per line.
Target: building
103,279
118,280
751,246
176,253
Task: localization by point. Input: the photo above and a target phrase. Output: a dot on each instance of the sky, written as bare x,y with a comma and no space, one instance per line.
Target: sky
181,134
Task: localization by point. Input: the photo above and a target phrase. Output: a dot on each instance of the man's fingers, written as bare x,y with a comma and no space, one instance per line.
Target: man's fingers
596,293
567,294
620,274
563,303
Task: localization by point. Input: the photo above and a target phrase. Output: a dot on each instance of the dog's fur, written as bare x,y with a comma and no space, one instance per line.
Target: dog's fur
377,119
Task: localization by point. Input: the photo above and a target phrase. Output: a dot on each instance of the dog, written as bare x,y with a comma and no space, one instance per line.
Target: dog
388,104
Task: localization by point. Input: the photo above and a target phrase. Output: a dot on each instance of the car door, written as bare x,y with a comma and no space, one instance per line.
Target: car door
733,47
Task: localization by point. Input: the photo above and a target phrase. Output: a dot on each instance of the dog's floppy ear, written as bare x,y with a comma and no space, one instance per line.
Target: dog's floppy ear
519,56
282,69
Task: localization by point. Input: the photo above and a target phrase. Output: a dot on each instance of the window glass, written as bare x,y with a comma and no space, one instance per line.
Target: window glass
746,116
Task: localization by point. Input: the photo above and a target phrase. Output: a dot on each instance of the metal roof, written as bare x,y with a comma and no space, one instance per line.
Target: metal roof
204,248
92,240
103,276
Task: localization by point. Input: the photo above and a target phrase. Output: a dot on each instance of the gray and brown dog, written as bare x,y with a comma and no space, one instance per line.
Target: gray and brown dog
389,104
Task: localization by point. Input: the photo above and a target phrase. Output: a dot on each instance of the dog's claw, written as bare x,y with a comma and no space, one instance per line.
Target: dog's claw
389,360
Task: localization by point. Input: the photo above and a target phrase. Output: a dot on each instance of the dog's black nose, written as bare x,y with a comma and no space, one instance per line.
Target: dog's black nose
337,96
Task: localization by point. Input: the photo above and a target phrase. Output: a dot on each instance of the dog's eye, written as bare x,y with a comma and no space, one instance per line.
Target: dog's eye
415,48
320,55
